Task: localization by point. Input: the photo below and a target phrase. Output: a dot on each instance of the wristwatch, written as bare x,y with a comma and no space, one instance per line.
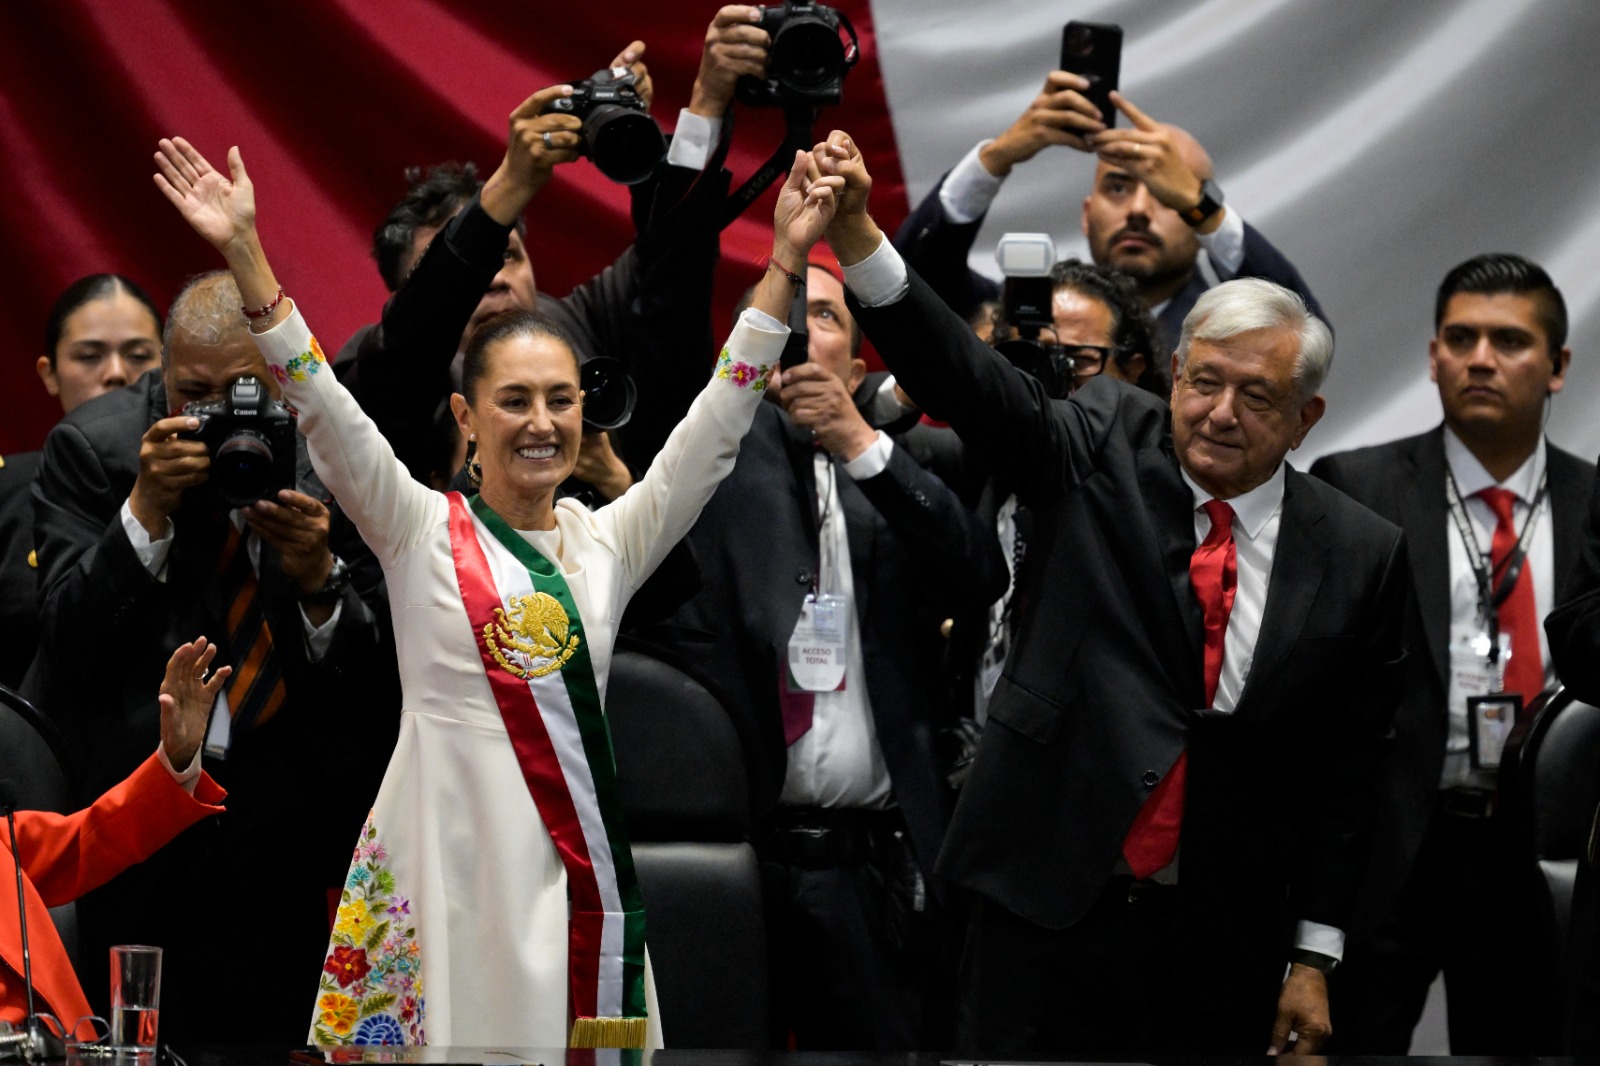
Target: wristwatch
1210,203
338,578
1314,959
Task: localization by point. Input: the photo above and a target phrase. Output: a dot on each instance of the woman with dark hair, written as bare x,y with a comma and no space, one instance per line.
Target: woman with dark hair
494,874
103,332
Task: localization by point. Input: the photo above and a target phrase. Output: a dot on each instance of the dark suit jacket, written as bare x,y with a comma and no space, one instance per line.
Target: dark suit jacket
914,550
1101,691
1574,626
299,786
1404,481
19,575
937,248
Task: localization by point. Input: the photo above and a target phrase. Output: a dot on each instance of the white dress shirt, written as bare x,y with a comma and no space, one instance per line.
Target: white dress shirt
1466,619
837,762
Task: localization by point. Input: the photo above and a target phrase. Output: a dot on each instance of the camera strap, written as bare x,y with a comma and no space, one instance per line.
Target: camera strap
797,137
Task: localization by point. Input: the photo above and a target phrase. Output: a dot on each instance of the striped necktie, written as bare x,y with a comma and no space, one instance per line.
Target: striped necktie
255,691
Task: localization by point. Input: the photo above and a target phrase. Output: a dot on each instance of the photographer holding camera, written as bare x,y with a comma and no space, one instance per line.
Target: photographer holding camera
1151,210
453,254
140,550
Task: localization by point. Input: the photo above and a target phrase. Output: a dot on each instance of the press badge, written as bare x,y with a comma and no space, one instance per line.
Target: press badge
1491,712
817,648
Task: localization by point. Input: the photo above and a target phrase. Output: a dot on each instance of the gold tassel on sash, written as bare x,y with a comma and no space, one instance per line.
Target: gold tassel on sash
608,1032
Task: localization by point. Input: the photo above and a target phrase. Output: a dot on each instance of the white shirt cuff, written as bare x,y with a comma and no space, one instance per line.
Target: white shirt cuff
1225,247
759,319
872,460
692,141
885,405
188,776
152,553
319,638
968,189
1323,939
880,278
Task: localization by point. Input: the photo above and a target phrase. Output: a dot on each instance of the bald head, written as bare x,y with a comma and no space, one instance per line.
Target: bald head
206,345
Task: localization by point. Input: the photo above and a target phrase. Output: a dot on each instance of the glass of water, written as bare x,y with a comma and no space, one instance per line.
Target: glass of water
135,997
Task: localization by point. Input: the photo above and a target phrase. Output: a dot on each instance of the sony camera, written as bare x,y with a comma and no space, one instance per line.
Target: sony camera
618,133
250,439
608,393
806,61
1027,297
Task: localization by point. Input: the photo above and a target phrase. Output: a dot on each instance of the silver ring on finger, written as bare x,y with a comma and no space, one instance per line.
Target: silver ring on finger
549,144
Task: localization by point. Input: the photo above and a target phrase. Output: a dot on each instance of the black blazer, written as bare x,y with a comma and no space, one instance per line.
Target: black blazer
19,573
1404,481
937,248
1101,690
914,551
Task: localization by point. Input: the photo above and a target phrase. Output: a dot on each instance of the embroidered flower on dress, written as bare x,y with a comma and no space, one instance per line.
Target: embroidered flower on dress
379,1029
373,970
742,374
279,373
338,1012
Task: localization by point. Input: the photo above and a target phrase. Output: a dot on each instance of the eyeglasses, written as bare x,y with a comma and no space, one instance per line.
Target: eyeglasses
1087,359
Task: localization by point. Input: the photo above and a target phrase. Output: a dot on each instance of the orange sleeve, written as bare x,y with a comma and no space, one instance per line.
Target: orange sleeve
67,855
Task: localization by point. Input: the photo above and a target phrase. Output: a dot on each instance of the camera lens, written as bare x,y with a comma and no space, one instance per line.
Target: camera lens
807,54
242,469
625,144
608,393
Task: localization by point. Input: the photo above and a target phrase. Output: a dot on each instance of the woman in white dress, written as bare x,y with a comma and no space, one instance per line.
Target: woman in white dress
497,816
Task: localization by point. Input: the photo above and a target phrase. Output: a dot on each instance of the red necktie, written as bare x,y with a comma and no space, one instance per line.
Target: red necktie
1213,572
1518,615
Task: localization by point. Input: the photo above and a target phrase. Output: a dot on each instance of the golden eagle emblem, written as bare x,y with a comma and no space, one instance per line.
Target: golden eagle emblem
531,639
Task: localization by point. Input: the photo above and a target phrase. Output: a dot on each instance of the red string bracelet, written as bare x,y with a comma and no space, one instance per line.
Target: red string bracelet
794,279
264,311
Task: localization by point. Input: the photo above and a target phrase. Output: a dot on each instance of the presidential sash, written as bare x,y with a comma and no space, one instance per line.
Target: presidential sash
536,655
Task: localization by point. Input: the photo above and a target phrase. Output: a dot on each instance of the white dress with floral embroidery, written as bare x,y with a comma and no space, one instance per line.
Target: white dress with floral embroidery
453,925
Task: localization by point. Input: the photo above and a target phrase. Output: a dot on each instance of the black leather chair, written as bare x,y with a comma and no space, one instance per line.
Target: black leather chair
1552,787
681,768
34,756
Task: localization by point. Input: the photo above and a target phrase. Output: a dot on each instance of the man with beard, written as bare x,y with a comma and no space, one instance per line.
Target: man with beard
1152,209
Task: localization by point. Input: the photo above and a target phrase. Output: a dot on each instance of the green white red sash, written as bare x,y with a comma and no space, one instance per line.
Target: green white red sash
536,655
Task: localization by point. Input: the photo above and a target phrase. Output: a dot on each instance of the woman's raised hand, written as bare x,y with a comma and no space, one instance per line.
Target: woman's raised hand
221,209
806,204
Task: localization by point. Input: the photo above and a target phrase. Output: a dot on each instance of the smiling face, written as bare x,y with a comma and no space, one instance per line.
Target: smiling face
1492,362
1237,410
526,415
105,344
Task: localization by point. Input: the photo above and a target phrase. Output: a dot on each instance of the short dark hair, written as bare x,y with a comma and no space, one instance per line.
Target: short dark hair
434,197
1133,330
1499,272
87,290
515,323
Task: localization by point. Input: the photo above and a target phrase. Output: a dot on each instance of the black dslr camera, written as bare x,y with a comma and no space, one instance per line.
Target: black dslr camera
250,439
608,393
618,133
806,61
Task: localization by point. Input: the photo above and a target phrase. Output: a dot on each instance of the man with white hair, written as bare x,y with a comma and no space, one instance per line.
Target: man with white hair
1206,654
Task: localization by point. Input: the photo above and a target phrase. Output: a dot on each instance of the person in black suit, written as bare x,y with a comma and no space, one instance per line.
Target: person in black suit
135,560
1152,209
1208,651
102,332
824,512
1498,355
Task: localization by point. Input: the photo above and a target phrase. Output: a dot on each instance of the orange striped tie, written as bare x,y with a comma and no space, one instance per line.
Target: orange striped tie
255,691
